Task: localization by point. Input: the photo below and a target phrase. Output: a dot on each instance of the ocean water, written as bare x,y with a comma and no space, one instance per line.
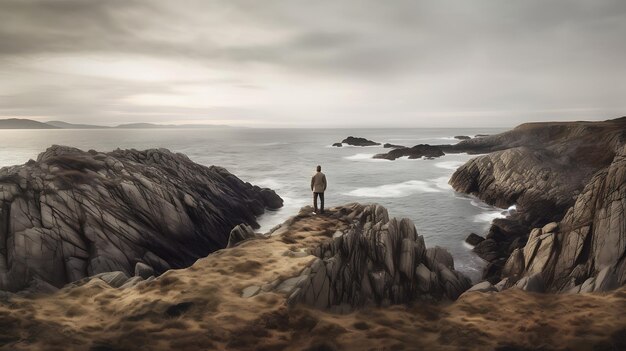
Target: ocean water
285,160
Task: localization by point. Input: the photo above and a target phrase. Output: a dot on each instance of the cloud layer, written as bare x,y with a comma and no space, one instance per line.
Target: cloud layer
312,63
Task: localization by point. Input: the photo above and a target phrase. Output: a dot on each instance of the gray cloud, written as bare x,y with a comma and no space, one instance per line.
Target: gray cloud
286,63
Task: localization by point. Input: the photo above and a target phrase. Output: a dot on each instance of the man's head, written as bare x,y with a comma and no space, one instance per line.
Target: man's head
319,168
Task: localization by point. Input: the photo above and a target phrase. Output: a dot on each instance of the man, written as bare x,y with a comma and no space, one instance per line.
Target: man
318,186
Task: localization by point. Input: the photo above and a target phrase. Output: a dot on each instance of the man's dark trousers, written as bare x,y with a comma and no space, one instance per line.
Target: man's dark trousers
321,196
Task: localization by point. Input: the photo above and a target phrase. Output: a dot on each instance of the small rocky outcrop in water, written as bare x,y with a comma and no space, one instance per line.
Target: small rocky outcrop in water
73,214
417,151
337,144
392,146
377,261
462,137
356,141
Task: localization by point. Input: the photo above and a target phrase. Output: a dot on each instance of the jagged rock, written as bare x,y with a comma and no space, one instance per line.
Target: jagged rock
378,261
483,287
73,214
356,141
417,151
474,239
550,227
114,279
337,144
586,251
533,283
241,233
132,282
143,270
250,291
487,249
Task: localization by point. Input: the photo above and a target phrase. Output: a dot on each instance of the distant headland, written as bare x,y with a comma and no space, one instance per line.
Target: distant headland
23,123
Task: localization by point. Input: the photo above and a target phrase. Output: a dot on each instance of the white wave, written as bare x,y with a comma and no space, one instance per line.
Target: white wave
488,216
394,190
451,165
268,183
273,144
442,183
364,157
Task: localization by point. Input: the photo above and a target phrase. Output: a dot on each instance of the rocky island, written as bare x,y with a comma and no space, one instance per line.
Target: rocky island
356,141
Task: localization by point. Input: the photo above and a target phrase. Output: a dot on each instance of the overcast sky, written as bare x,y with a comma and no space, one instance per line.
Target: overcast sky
313,63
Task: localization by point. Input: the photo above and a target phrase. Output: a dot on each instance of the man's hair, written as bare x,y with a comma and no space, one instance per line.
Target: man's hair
319,168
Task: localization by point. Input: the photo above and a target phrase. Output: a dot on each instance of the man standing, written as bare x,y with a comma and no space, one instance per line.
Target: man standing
318,186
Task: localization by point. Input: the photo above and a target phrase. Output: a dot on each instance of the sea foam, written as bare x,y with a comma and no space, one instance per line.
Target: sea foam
395,190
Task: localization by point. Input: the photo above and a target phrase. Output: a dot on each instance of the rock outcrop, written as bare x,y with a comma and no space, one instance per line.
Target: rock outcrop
73,214
586,251
417,151
392,146
377,261
546,170
356,141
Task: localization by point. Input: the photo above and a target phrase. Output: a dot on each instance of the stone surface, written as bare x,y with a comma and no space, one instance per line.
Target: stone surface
483,287
73,214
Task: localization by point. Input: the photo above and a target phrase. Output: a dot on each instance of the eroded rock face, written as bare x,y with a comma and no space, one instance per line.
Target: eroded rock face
377,261
586,251
73,214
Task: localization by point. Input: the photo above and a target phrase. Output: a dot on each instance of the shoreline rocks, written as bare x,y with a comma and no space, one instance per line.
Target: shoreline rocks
546,169
417,151
72,214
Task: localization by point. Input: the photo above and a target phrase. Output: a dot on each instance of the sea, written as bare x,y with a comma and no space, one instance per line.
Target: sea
285,160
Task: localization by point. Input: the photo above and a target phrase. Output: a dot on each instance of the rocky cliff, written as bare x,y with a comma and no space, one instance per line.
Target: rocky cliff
246,298
546,169
72,214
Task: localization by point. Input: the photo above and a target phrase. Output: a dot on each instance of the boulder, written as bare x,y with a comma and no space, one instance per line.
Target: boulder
143,270
241,233
338,144
462,137
474,239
